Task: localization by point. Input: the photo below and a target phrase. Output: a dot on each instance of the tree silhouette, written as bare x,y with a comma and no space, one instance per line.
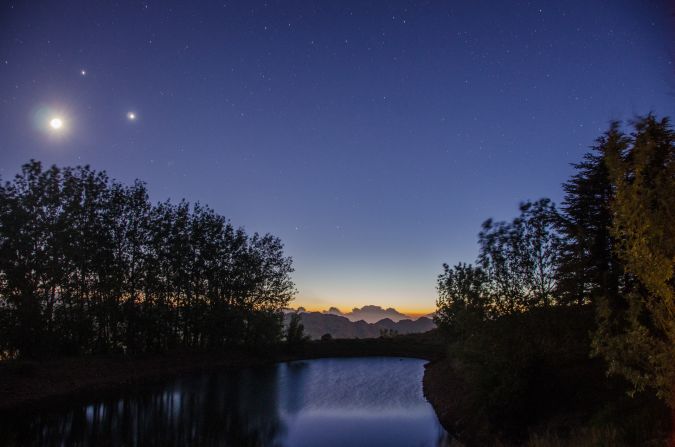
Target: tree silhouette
295,333
88,265
520,258
463,299
589,267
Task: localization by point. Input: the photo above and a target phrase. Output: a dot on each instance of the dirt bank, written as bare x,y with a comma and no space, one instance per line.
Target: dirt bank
27,384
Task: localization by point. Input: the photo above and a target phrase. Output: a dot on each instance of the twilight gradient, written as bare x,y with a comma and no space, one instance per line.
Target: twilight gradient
372,137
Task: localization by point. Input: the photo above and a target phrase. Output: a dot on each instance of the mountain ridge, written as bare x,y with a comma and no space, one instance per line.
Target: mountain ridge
317,324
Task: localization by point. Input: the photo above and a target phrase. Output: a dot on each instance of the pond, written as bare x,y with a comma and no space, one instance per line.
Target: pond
369,401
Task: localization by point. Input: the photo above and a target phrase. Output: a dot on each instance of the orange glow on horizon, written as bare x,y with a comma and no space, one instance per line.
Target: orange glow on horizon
411,313
412,302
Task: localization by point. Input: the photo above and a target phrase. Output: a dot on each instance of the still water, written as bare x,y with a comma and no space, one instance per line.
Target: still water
374,401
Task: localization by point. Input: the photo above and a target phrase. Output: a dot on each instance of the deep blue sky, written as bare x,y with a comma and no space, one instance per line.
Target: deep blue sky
372,137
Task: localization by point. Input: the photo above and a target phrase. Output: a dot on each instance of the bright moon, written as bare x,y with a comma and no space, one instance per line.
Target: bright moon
56,123
131,116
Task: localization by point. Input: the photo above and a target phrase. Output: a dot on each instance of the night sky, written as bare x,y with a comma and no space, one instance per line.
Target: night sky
372,137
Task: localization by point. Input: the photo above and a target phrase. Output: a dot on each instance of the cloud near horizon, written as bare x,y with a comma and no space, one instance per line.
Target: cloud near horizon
370,314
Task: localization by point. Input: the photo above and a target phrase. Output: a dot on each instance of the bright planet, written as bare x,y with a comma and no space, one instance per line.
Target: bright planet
56,123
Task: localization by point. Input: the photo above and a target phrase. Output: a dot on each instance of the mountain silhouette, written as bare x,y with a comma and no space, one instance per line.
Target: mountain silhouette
369,314
317,324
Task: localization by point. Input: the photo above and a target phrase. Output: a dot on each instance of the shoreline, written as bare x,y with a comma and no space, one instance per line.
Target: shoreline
451,398
438,390
26,385
29,385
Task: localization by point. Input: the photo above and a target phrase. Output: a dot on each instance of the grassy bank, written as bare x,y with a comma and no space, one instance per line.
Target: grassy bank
528,379
428,346
616,422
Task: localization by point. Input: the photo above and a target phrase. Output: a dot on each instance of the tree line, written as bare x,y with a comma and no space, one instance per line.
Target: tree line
89,265
607,252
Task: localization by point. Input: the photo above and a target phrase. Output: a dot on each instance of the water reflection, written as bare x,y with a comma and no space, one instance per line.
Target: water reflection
327,402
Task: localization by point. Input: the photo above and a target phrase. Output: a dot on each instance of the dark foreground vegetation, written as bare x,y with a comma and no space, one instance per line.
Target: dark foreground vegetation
563,332
528,378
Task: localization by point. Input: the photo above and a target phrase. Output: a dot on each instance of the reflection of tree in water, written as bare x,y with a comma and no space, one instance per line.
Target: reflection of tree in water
443,439
268,406
293,375
237,409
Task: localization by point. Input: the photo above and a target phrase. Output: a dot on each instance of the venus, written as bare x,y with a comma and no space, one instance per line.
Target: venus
56,123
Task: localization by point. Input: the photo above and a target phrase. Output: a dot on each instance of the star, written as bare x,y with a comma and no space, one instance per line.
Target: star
131,116
83,72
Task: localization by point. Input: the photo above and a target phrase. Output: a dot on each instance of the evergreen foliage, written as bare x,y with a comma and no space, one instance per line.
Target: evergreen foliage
642,348
589,267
